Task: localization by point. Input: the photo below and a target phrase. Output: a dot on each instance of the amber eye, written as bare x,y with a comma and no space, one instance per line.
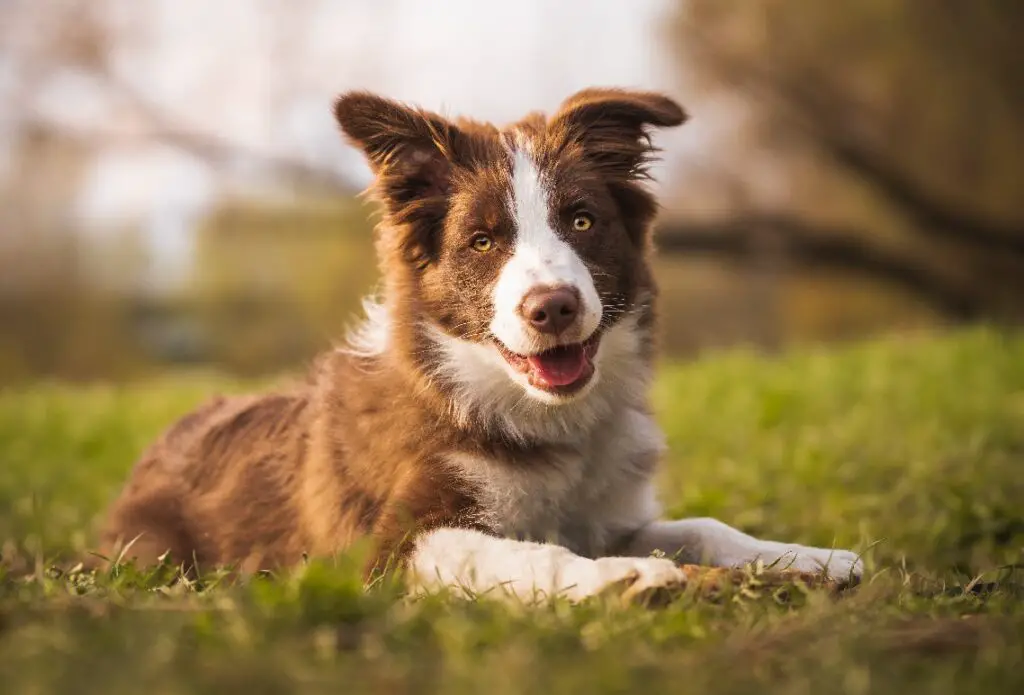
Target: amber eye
581,222
482,243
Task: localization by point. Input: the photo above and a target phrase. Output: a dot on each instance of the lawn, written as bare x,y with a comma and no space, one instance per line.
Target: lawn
910,449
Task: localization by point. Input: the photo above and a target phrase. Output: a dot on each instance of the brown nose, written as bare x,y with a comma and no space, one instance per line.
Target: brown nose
550,309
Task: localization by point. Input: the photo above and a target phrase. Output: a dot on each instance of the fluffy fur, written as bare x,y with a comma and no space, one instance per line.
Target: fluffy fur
470,437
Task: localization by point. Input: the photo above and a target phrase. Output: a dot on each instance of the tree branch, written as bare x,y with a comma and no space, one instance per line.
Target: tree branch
821,116
739,238
930,213
212,147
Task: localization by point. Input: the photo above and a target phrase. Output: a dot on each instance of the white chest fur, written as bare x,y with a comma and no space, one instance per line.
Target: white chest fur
582,495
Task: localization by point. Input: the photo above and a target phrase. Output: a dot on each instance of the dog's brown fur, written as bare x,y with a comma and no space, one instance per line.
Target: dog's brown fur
356,451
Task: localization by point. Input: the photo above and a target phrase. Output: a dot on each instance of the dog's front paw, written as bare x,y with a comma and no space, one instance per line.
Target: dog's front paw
837,564
634,578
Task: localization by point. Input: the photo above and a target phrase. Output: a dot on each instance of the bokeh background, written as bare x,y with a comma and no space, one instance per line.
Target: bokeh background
174,193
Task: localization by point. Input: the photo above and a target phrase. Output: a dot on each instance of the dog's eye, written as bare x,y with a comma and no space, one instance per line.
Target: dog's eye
482,243
582,221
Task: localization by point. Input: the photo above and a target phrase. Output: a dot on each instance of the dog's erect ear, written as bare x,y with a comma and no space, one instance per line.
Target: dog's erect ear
414,148
613,125
412,153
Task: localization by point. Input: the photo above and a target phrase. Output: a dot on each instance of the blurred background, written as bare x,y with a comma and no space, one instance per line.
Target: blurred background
174,193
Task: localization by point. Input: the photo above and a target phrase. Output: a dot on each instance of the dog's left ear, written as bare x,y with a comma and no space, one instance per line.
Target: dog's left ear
613,126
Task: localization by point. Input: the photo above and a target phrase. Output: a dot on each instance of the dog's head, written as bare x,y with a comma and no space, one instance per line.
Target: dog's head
511,255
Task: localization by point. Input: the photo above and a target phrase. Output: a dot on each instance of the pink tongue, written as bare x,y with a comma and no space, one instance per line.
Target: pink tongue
561,366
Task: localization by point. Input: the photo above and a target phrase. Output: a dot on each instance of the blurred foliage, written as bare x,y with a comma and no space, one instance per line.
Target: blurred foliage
63,310
708,303
864,175
896,124
275,283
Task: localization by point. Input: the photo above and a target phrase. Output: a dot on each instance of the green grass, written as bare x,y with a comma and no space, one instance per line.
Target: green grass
912,449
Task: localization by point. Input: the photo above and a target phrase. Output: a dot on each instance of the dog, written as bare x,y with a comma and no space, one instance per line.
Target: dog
487,425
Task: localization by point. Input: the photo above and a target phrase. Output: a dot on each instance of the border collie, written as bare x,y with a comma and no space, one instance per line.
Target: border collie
487,425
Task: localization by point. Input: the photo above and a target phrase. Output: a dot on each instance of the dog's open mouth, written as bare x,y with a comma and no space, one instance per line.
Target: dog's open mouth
564,369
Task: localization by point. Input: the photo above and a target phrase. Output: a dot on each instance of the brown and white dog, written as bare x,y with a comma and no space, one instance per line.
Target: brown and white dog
487,425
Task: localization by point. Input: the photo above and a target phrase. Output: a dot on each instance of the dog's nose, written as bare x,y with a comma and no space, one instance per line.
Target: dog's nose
551,309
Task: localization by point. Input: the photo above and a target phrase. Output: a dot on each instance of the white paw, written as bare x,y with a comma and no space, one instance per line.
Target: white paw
633,577
838,564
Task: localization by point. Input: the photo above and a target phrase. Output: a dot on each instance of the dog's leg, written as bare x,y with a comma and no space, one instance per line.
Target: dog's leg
711,542
479,563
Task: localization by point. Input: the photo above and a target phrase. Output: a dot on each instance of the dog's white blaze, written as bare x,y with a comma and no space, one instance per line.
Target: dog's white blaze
539,257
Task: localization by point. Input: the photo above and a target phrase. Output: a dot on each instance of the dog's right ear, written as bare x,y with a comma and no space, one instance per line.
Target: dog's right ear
411,151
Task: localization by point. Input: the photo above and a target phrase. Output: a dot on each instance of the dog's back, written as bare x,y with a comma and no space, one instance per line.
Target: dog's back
220,483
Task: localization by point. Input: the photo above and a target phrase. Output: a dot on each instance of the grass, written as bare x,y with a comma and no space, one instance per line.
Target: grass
911,449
